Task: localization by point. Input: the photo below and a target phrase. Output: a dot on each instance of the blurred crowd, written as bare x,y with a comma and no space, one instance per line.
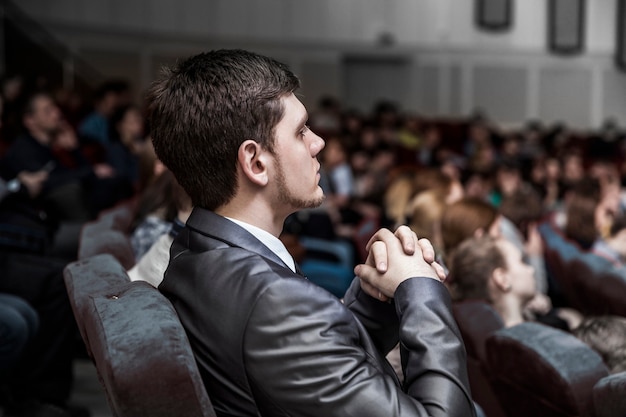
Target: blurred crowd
477,190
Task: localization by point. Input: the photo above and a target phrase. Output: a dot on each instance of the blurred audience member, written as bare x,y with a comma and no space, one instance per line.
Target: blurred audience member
492,269
18,325
95,127
397,196
466,218
613,246
49,149
125,145
151,266
425,212
521,210
155,212
13,96
340,179
588,213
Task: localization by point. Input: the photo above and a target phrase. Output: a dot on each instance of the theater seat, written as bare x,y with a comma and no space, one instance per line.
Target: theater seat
609,396
540,371
477,320
98,238
328,264
136,341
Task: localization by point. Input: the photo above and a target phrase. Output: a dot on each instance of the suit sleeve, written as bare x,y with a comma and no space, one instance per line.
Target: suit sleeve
380,319
308,355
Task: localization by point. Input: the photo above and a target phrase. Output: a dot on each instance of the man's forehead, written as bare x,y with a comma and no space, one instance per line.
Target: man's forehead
295,112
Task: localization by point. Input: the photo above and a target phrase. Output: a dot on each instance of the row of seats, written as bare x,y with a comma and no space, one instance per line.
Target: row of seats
109,234
525,370
329,264
534,370
529,369
589,283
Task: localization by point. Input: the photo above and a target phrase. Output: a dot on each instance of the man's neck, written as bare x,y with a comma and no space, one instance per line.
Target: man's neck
258,215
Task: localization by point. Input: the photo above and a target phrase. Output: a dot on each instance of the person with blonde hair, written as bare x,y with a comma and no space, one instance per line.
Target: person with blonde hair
425,212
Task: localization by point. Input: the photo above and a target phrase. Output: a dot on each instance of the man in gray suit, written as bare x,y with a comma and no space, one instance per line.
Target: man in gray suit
267,341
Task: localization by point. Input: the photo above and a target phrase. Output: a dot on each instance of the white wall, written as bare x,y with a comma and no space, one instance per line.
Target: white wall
455,68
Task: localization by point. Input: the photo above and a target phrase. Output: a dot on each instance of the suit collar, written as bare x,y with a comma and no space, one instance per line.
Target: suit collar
210,224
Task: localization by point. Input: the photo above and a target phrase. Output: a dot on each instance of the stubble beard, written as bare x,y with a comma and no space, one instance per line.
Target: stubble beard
287,198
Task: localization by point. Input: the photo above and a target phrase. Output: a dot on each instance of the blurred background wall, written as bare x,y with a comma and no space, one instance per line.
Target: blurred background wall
428,56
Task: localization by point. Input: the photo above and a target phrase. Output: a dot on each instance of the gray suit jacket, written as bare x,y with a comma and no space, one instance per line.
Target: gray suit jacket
269,342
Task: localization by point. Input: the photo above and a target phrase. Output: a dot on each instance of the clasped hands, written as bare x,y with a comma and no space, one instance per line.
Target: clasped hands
393,258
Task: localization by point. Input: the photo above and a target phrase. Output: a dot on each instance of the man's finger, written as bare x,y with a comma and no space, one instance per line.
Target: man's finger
370,277
378,256
441,273
373,291
408,239
380,235
428,252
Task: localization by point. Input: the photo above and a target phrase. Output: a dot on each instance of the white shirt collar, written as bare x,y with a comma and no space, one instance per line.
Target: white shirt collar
272,242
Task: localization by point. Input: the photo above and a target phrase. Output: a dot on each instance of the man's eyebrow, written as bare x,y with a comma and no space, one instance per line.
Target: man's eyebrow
303,119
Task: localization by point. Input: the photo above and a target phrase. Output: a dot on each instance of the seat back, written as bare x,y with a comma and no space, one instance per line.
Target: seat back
590,283
328,263
101,237
477,320
611,290
559,252
609,396
540,371
136,341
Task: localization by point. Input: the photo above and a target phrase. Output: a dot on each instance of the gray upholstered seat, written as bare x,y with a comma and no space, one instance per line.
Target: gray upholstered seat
137,342
477,321
609,396
540,371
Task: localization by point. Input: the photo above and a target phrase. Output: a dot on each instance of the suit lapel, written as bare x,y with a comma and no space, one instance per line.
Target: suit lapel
213,225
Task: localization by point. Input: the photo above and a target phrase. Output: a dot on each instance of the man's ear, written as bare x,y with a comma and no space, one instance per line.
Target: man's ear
252,160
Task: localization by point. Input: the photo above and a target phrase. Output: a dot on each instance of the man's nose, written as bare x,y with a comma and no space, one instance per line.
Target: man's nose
317,144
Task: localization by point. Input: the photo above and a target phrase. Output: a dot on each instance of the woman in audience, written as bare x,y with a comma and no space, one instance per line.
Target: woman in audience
397,197
425,212
472,217
155,213
589,212
492,270
152,265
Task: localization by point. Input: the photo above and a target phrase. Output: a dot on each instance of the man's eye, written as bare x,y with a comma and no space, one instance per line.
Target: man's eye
304,130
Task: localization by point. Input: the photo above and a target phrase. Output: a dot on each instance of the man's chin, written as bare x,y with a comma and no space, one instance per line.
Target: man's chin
313,203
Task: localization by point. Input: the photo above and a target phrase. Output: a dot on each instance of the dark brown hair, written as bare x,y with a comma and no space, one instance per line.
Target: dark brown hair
160,195
581,211
472,264
201,111
522,208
